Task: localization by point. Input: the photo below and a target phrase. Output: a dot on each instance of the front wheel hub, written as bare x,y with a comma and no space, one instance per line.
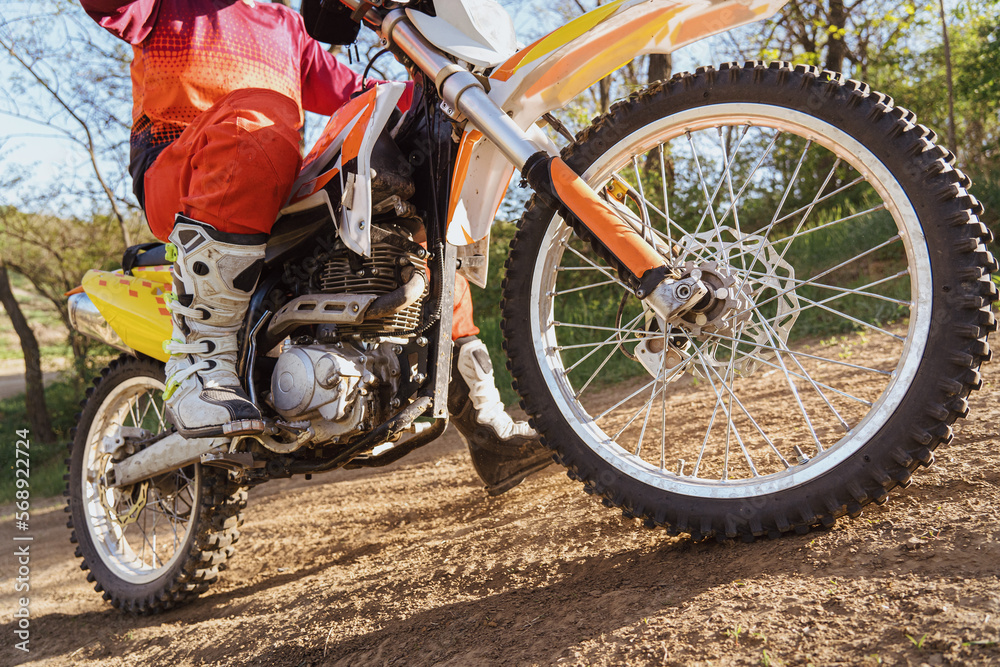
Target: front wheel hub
725,305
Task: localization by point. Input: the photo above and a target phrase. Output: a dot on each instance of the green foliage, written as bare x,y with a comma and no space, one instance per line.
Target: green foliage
854,38
47,466
52,253
486,303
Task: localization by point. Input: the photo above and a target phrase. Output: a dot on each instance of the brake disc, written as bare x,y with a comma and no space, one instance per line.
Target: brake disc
744,272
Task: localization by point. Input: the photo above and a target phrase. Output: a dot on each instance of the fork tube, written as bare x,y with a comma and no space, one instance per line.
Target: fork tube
460,89
549,177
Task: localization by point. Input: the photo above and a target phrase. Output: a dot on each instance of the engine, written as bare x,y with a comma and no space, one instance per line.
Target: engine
388,269
340,388
362,314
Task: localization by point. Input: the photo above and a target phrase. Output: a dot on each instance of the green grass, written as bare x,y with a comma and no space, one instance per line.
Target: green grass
46,458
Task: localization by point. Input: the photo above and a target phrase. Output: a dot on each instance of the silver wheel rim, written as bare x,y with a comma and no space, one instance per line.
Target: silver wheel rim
671,474
142,547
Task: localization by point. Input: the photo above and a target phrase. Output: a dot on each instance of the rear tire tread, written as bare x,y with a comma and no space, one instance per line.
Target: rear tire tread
221,506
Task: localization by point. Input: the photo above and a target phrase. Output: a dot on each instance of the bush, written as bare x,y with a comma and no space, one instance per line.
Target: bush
47,458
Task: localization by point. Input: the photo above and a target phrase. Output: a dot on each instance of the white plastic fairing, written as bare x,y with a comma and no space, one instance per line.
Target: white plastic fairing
357,209
483,188
477,31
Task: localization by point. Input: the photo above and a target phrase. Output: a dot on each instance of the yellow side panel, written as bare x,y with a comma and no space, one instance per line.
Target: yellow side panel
134,306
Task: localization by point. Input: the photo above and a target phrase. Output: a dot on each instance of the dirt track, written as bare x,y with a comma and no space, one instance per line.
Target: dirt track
417,566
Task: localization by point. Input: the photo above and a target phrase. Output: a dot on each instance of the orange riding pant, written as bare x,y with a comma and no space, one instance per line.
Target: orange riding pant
233,168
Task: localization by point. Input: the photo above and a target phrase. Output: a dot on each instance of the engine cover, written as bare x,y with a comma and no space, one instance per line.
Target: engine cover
335,384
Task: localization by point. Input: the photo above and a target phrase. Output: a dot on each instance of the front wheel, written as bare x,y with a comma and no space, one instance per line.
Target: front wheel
847,314
159,542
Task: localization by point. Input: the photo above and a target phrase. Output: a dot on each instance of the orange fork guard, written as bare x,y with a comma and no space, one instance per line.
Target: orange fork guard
552,177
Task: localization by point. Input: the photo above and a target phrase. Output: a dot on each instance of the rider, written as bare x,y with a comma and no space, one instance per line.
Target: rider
219,88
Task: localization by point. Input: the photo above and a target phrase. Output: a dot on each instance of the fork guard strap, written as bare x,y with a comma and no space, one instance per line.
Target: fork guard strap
562,188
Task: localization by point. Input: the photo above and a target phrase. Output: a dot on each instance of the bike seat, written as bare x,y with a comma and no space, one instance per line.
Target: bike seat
144,254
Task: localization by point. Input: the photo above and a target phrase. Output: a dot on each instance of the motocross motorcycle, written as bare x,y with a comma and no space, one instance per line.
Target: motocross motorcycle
745,301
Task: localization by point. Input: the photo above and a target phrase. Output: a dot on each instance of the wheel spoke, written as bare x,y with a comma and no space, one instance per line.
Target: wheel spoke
666,199
827,272
850,318
728,174
663,415
799,353
775,338
826,225
777,212
590,327
730,421
577,346
709,201
645,419
794,389
594,265
859,291
612,339
709,371
625,400
647,227
750,177
596,372
583,287
862,401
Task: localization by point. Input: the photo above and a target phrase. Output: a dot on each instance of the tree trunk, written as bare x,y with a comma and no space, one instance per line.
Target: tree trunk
604,88
836,50
660,65
38,413
658,69
947,69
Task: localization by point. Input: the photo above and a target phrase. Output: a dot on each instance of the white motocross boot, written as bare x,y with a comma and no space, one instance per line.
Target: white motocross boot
215,274
503,451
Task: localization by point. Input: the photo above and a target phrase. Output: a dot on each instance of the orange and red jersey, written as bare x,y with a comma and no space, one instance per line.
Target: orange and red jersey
189,54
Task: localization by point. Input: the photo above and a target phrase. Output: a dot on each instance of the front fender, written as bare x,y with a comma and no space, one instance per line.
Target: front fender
551,72
548,74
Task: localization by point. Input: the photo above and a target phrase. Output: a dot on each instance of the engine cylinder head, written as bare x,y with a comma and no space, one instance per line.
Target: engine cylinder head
388,268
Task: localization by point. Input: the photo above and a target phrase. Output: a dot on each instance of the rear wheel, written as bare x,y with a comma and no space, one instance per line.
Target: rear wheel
847,315
154,544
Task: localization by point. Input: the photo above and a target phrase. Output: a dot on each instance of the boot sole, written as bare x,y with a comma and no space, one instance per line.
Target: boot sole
241,427
518,477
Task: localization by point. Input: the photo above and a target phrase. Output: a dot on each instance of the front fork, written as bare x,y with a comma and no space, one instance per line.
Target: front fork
645,269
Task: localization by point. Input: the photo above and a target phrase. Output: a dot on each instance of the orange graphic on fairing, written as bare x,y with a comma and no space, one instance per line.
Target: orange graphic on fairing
352,118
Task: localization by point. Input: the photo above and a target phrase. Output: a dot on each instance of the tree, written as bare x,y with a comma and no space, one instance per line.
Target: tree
73,82
850,37
38,413
54,252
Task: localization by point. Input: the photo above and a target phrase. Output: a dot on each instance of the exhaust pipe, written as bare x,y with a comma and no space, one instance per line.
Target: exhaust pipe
85,318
